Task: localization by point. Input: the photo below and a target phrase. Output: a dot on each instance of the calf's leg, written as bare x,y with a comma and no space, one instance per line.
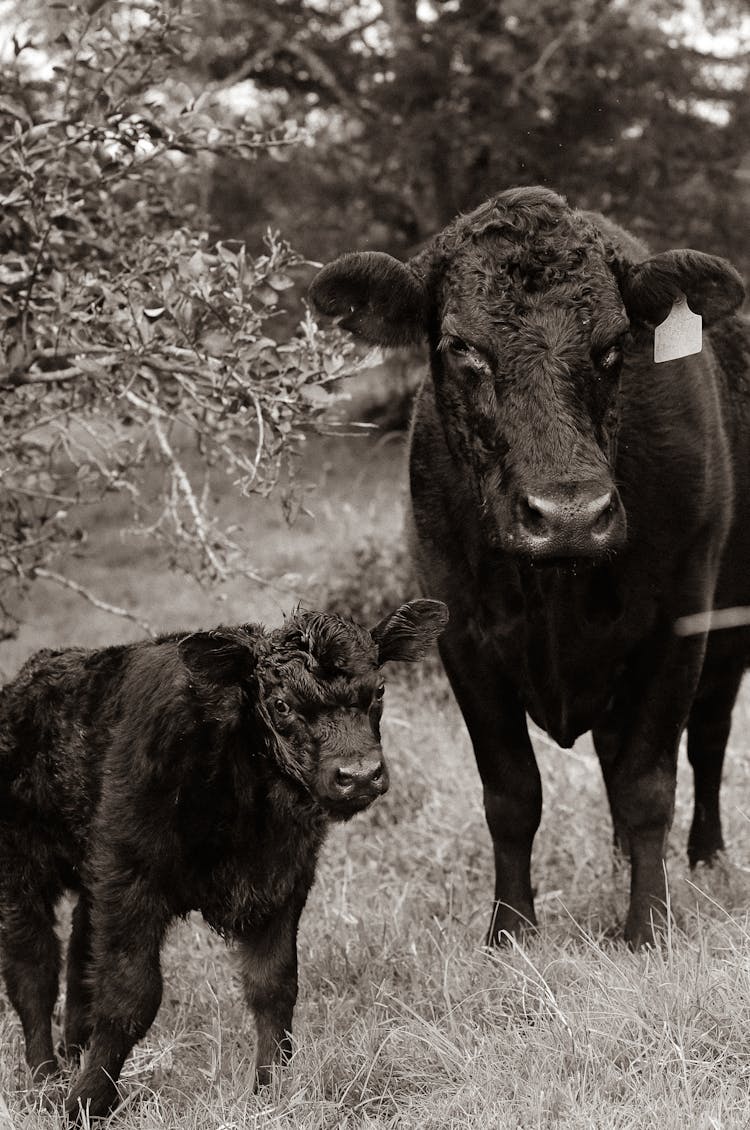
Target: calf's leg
30,956
708,728
128,923
77,1028
268,961
496,722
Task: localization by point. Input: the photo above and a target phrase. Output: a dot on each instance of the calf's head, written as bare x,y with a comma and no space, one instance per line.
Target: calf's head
312,691
531,310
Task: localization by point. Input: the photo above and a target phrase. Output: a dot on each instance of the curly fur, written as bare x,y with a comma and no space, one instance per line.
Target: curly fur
192,772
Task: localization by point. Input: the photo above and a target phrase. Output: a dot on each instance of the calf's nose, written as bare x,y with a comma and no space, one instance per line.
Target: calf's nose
576,519
363,778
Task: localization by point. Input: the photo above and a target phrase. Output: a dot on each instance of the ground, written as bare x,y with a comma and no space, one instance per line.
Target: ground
404,1020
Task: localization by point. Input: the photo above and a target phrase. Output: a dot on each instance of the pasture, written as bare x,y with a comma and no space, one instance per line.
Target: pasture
403,1019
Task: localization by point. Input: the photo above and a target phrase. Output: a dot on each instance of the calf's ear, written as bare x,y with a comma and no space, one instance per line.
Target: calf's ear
409,631
221,657
711,285
376,296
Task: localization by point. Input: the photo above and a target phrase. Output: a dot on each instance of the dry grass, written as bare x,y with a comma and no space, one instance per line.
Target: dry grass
403,1019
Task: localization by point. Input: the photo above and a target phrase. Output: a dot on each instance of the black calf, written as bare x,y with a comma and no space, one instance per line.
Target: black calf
193,772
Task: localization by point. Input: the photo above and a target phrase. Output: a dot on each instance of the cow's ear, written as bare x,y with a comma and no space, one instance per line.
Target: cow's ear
408,632
376,296
223,656
711,285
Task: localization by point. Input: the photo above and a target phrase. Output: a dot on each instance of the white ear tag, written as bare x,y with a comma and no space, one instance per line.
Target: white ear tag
680,334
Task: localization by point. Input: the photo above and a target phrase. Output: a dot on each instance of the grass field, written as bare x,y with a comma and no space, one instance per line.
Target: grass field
403,1019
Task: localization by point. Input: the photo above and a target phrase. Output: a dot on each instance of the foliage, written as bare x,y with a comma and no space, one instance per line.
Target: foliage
124,332
421,109
377,577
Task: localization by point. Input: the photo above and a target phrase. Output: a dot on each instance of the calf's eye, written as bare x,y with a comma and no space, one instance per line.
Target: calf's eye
456,345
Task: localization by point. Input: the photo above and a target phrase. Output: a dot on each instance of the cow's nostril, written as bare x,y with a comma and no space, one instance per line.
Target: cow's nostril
532,516
604,520
344,777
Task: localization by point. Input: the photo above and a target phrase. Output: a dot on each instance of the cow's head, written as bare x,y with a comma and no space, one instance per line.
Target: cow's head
530,310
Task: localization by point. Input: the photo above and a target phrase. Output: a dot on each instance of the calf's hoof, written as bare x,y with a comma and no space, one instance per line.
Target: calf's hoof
44,1069
71,1053
261,1078
97,1100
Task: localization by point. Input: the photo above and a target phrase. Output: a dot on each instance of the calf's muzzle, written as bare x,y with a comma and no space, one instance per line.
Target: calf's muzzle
350,783
365,778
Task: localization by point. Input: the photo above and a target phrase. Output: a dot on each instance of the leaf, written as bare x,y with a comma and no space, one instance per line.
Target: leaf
196,264
57,283
279,281
316,395
226,255
16,110
217,342
256,348
266,295
94,367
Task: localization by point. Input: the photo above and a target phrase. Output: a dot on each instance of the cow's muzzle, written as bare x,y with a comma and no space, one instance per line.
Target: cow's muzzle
581,519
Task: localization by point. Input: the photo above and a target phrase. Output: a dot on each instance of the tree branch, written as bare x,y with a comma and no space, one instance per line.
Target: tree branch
105,606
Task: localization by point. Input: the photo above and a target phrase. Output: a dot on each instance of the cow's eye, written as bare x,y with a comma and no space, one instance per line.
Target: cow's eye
379,692
610,358
281,707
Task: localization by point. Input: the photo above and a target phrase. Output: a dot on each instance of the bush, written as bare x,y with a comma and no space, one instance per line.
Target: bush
124,332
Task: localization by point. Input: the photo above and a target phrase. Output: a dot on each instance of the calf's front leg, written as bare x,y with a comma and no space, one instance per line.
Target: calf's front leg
268,962
30,960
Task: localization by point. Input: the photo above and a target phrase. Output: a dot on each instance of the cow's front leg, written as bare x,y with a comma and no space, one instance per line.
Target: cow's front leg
496,722
268,962
128,921
641,782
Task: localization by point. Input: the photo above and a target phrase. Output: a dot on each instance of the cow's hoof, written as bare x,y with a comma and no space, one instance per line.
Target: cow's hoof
506,925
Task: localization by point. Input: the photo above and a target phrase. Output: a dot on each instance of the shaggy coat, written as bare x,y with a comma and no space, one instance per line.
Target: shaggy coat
195,772
573,504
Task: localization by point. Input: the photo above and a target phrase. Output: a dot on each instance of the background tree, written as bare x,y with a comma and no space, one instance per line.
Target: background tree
422,107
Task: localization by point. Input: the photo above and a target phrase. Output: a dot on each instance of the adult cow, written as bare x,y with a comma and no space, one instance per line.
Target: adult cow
572,501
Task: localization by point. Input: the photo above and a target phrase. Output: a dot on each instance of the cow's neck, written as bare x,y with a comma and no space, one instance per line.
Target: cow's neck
564,684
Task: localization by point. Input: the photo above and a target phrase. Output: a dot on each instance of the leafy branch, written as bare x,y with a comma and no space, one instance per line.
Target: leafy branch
128,337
